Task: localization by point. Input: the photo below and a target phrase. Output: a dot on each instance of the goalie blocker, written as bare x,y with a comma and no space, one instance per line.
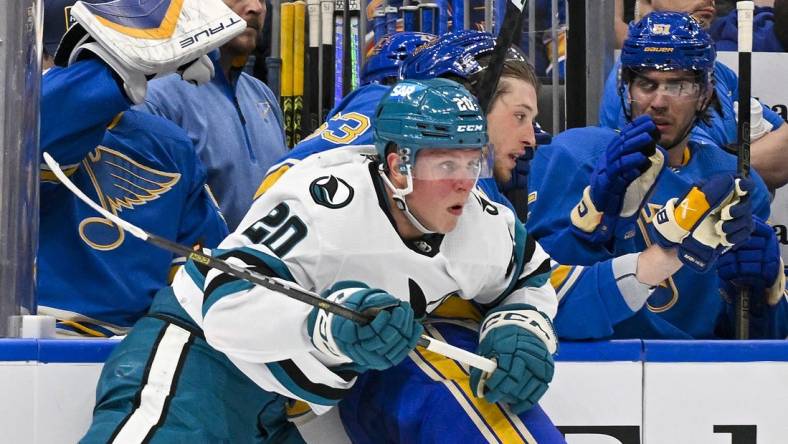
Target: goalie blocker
139,40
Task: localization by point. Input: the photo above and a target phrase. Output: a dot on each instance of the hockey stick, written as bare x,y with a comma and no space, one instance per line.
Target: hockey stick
326,57
512,22
286,45
511,28
277,285
339,49
312,86
355,44
458,15
744,17
299,46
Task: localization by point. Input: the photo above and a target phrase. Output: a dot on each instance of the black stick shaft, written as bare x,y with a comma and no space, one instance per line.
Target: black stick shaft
515,10
258,279
744,19
264,281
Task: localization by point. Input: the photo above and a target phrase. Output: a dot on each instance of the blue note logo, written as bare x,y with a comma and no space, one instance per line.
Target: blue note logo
331,192
121,184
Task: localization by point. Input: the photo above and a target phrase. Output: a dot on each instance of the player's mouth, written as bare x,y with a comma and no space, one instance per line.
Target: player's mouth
254,24
663,125
513,158
704,15
456,210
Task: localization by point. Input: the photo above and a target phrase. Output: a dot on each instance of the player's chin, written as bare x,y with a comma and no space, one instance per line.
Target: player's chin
245,42
448,222
503,171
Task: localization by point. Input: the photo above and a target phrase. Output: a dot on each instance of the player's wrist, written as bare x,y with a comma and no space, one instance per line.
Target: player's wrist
589,223
777,291
524,316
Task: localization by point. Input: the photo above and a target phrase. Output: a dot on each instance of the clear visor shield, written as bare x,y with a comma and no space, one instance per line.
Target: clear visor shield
453,163
645,90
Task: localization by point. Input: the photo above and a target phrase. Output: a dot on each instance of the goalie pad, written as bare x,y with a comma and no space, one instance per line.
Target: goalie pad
157,37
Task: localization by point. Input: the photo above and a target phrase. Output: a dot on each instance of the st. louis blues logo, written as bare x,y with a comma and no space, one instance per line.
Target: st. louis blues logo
331,192
667,294
120,183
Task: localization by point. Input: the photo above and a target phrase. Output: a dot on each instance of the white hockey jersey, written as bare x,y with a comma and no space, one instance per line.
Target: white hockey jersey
327,220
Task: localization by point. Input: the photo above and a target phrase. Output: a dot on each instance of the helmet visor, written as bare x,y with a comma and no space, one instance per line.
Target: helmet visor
453,163
644,89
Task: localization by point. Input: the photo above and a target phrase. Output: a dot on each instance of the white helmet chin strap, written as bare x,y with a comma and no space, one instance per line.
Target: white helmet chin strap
399,198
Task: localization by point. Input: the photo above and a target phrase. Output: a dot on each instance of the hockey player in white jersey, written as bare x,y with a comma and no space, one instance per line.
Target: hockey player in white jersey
395,234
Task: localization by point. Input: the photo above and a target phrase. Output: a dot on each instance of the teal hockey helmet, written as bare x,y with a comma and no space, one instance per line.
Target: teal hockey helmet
433,114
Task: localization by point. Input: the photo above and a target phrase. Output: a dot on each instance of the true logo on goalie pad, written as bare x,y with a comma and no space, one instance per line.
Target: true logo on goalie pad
205,33
331,192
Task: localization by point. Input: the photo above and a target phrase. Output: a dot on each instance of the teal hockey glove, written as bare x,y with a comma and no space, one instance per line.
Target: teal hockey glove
522,342
712,216
139,40
382,343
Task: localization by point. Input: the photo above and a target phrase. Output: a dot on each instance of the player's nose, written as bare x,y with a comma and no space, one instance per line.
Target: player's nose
464,185
528,137
254,7
660,101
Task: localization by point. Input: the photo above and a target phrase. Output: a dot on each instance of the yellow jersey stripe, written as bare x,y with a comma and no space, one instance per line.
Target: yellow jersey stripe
163,31
82,328
495,422
270,180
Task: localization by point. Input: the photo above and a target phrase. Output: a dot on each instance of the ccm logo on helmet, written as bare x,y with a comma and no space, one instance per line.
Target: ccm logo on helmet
468,128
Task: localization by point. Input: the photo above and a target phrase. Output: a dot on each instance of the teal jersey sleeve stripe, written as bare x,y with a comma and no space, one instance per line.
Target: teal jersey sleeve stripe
257,261
520,237
294,380
223,290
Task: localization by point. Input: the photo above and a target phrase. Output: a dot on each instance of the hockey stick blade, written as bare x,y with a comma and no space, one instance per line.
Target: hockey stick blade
274,284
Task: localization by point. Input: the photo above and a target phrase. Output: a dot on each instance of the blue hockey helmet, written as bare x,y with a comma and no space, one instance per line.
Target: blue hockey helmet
455,54
430,113
389,53
668,41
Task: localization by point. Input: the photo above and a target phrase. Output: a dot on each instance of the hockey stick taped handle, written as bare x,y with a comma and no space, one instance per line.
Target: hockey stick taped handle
273,284
458,354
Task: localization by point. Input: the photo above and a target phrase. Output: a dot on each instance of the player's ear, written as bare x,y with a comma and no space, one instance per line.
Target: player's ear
393,160
708,94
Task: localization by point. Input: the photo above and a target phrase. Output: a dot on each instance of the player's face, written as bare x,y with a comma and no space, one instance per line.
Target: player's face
253,11
510,125
442,181
702,10
671,98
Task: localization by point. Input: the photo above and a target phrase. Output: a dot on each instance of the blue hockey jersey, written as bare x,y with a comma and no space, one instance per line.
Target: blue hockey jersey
348,123
721,128
92,276
591,306
725,31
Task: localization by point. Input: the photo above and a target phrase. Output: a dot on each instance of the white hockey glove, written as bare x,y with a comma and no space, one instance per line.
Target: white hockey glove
712,216
759,126
140,40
